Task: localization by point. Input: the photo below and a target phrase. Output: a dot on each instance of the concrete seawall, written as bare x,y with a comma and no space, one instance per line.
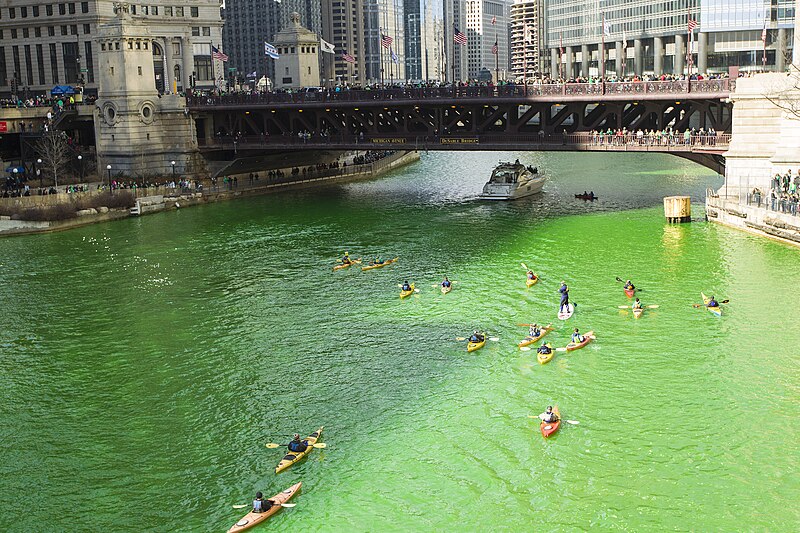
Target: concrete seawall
752,219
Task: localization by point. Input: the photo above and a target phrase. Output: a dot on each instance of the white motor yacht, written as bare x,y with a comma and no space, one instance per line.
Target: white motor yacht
510,181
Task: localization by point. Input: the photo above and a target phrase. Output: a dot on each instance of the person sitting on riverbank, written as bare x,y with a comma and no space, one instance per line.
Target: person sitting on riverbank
297,445
549,416
577,338
476,337
260,505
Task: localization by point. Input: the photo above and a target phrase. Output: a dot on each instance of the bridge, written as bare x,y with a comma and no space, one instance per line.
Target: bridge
540,117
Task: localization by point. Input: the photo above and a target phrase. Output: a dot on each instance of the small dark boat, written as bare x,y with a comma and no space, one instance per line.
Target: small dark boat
589,197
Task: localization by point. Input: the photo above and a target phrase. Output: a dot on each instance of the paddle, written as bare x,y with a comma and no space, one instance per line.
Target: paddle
645,307
249,505
704,305
620,280
272,445
524,266
573,422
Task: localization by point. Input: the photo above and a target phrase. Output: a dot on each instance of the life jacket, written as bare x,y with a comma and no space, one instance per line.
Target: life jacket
259,506
577,338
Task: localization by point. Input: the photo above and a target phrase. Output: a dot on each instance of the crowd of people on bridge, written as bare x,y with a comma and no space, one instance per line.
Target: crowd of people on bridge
651,137
783,195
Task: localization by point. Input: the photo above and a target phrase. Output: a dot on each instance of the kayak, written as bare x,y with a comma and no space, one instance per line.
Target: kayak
291,458
638,312
566,314
530,340
346,265
531,282
253,519
548,428
403,294
381,265
445,290
629,292
714,310
587,338
472,346
546,357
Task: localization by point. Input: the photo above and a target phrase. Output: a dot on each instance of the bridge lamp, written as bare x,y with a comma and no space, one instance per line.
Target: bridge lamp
108,168
452,107
273,110
299,110
247,112
173,169
355,109
327,109
676,103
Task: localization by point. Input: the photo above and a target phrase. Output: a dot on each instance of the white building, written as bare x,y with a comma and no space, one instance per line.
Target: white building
486,25
525,44
298,64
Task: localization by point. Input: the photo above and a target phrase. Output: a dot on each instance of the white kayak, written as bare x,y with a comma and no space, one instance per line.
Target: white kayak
563,315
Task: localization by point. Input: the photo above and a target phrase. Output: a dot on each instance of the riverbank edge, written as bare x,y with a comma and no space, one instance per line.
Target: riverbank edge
754,220
146,205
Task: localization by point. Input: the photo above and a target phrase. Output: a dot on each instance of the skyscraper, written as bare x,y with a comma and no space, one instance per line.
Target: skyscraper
455,55
487,24
248,23
525,22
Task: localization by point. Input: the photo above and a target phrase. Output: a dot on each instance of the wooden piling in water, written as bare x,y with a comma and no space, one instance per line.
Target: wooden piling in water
678,209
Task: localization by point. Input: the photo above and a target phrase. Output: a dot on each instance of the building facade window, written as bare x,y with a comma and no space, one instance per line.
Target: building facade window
89,61
62,9
194,11
168,11
71,9
40,63
35,11
202,68
195,31
177,72
51,31
87,29
49,10
179,11
70,56
23,11
84,7
206,31
53,63
12,12
28,65
3,68
37,32
15,57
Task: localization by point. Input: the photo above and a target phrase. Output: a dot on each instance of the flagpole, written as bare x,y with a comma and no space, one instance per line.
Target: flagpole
496,63
689,42
560,54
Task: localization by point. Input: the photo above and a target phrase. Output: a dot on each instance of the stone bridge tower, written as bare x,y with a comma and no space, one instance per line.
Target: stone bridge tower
138,132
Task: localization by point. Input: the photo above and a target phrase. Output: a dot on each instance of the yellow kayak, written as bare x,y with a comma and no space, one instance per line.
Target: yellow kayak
445,290
545,357
403,294
472,346
380,265
637,312
346,265
252,519
530,340
531,282
292,457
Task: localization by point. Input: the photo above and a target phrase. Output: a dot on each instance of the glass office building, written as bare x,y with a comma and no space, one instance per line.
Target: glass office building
625,37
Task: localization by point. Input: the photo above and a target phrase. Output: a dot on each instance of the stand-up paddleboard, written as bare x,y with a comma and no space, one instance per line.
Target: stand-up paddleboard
563,315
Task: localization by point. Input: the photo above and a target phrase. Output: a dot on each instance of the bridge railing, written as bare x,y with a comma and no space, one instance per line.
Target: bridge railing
630,141
677,88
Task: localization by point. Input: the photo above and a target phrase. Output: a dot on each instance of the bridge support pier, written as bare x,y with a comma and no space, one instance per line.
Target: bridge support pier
658,56
585,60
638,59
680,55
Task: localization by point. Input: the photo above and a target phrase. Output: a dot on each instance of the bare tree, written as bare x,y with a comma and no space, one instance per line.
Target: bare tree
54,151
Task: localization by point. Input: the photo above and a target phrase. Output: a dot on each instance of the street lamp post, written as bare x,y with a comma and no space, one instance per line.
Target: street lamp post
173,170
80,164
39,172
108,168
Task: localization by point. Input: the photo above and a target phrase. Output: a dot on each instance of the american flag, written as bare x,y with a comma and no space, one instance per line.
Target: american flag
347,57
386,40
494,48
216,54
692,24
494,21
459,37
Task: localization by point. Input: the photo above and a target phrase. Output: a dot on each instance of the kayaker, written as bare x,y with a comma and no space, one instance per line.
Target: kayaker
260,505
577,338
549,416
637,304
446,282
406,286
531,275
712,302
629,286
476,337
346,259
534,330
564,290
377,261
297,445
545,349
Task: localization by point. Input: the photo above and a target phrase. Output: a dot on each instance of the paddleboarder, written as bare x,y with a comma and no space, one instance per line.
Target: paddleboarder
564,290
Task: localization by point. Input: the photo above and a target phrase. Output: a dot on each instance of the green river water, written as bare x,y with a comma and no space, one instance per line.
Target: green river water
145,363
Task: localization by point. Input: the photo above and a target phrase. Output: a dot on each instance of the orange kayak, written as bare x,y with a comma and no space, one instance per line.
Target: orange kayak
548,428
587,338
381,265
346,265
253,519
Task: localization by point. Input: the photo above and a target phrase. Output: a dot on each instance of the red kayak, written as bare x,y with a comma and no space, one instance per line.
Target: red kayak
548,428
630,292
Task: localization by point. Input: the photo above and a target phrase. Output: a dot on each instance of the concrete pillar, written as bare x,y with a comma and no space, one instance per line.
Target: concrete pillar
702,53
554,63
602,54
780,52
680,55
638,57
188,62
658,56
585,60
618,60
570,69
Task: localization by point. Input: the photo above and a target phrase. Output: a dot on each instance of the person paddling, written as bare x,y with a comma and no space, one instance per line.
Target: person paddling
534,330
406,286
577,338
564,290
545,349
446,282
476,337
346,259
260,505
531,275
712,302
297,445
629,286
637,304
549,416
